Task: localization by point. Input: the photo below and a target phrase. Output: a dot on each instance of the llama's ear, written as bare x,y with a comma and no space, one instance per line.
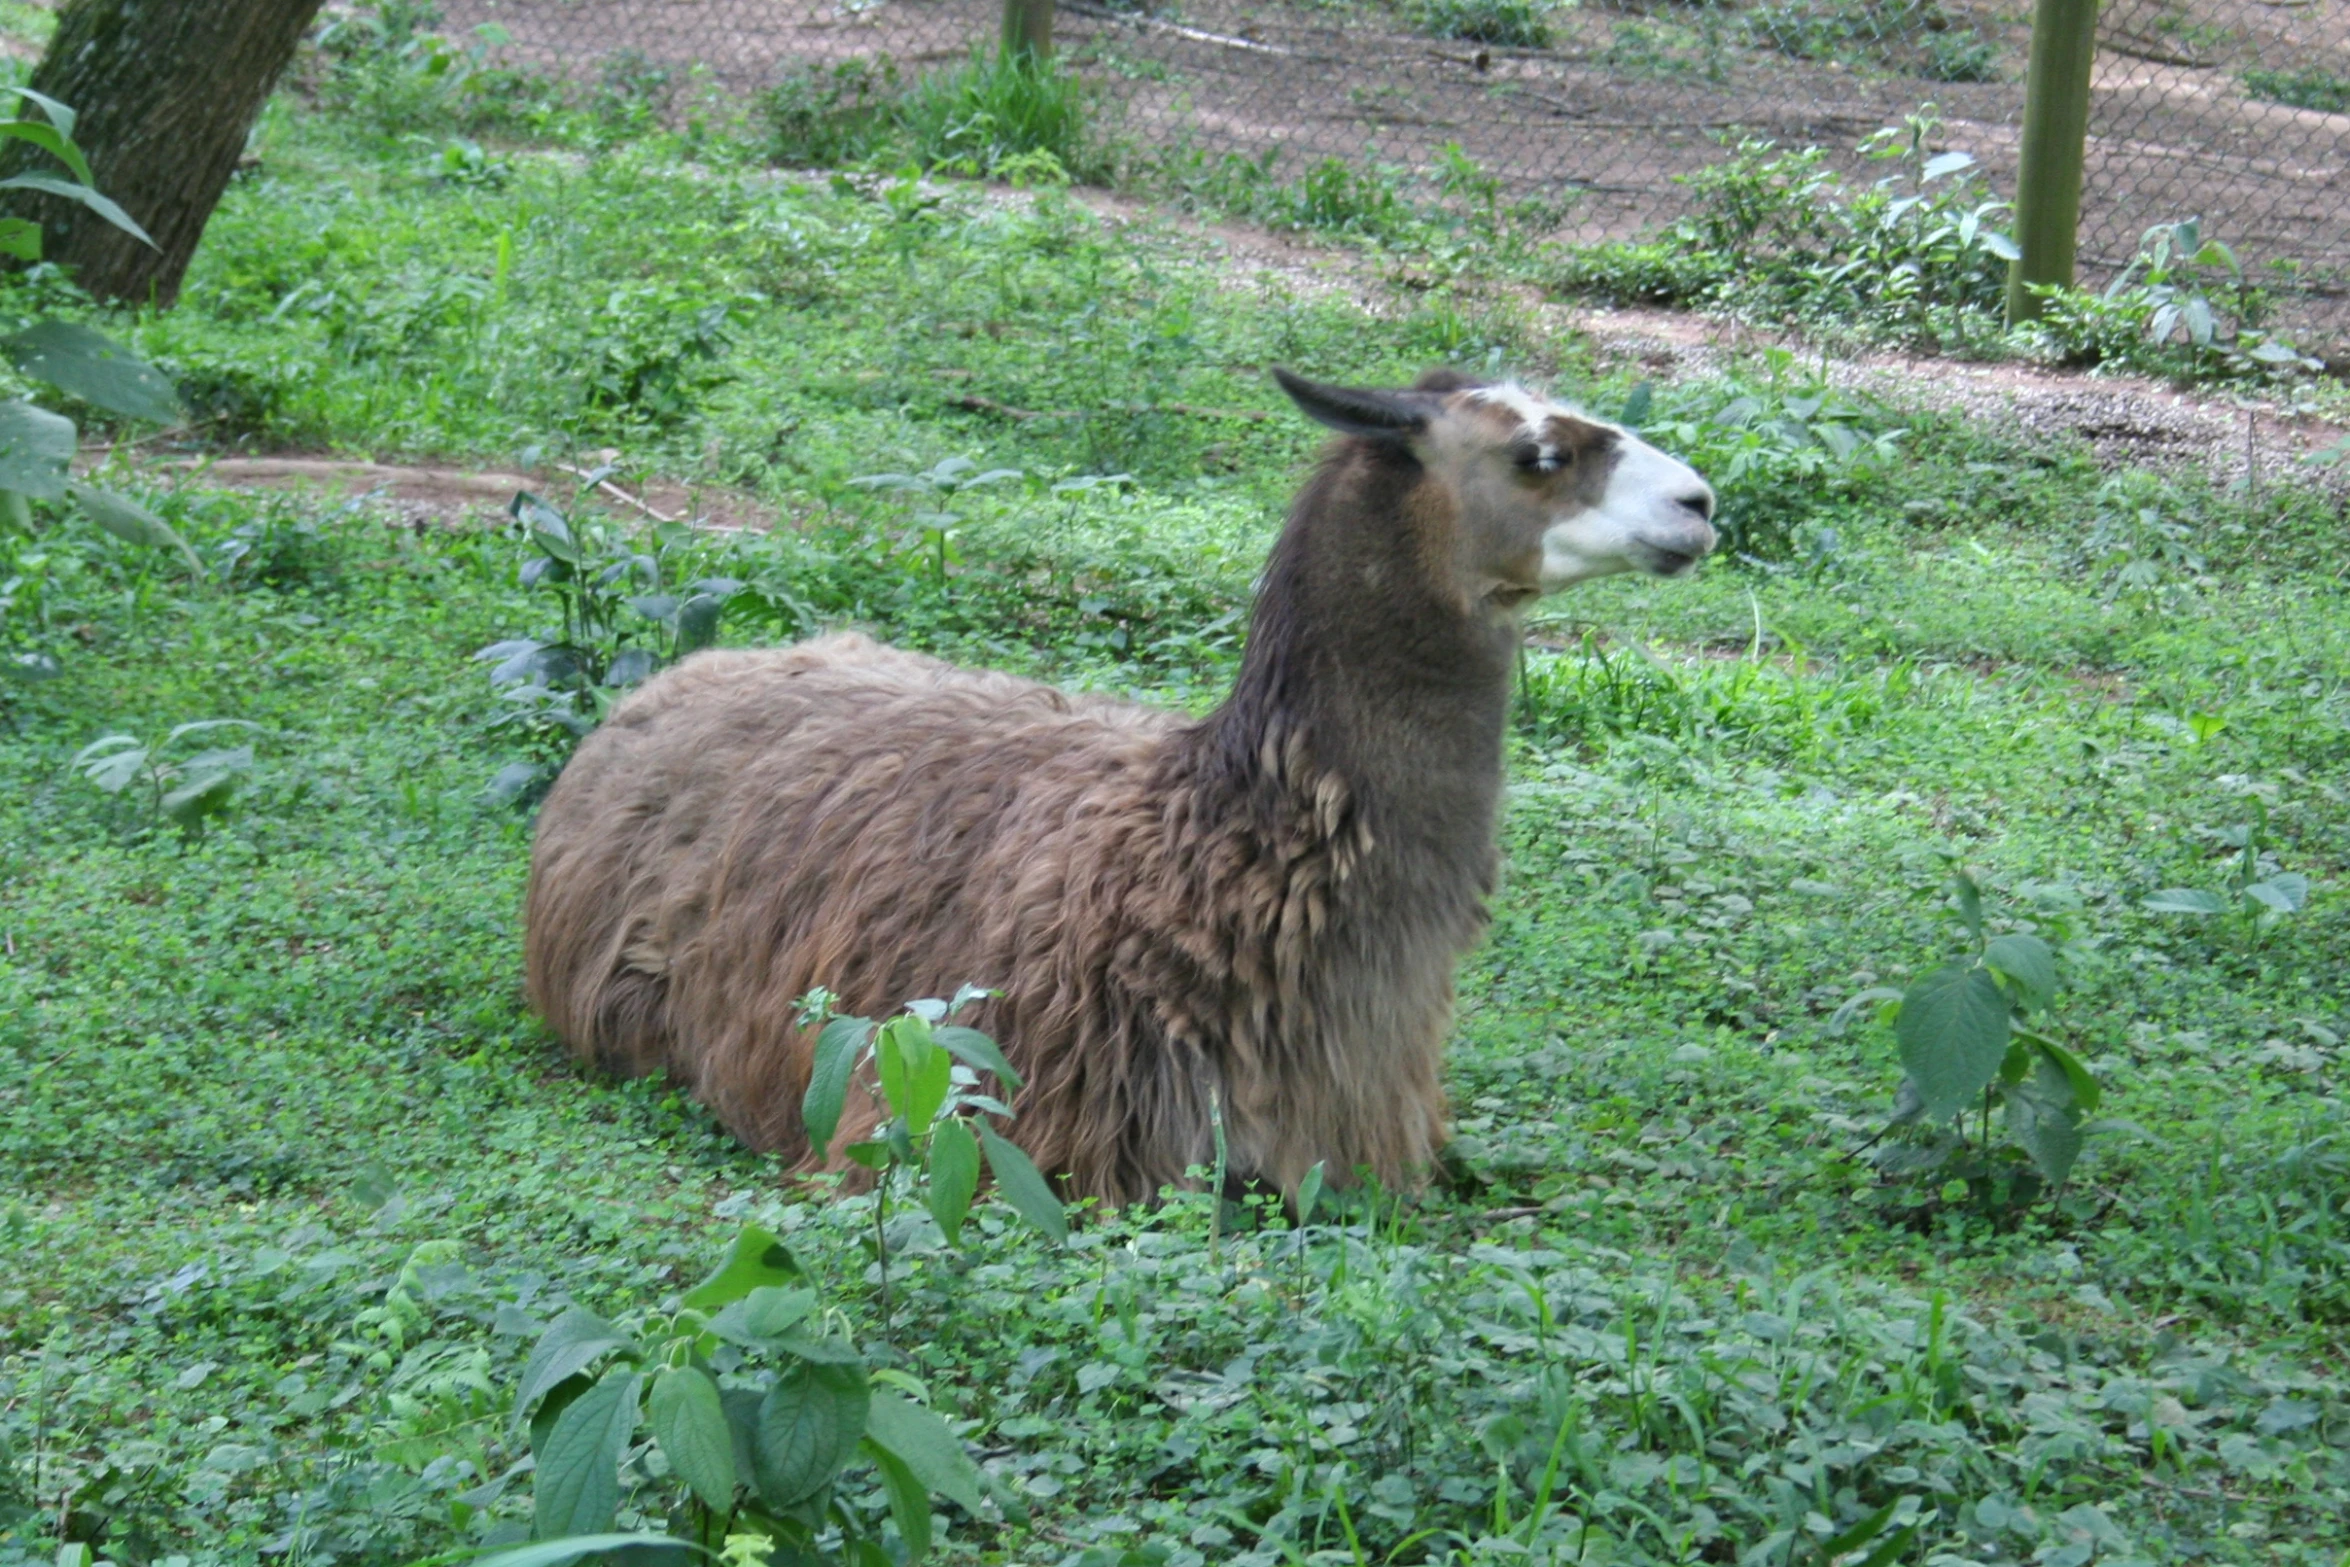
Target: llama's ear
1350,410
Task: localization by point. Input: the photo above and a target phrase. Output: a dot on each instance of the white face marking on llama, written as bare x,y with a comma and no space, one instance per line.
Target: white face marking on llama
1650,512
1544,496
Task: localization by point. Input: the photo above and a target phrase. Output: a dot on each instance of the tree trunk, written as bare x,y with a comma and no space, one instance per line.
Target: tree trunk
166,92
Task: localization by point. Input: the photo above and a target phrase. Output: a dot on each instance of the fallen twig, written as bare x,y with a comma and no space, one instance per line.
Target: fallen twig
615,491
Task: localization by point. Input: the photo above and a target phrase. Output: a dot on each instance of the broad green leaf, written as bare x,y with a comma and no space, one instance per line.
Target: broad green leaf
51,139
689,1421
36,446
1842,1017
127,520
94,368
1953,1035
922,1441
59,115
1309,1190
809,1423
1017,1179
2028,961
573,1342
102,205
954,1175
205,791
2284,893
578,1487
1970,902
2184,900
909,1503
2086,1094
830,1350
697,622
2044,1121
755,1258
556,1553
1637,406
835,1058
915,1073
551,1407
976,1051
766,1313
21,238
547,528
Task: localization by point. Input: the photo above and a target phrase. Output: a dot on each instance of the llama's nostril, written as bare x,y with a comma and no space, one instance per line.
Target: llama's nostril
1701,503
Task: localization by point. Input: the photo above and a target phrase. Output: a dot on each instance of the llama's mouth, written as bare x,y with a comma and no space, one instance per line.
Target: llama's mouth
1665,561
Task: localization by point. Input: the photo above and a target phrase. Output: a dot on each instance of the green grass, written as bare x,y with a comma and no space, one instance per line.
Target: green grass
242,1079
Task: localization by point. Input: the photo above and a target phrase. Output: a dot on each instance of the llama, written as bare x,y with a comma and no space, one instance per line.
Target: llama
1260,910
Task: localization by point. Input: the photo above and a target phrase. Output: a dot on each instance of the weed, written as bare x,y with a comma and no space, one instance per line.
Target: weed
2317,89
981,118
630,607
834,116
1513,24
2257,896
186,790
926,1068
2181,308
1967,1044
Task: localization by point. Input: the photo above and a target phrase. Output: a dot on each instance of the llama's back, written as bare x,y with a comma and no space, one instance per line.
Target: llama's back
752,824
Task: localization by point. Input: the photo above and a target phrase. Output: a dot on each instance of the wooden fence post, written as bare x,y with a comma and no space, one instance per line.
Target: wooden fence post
1028,30
2056,131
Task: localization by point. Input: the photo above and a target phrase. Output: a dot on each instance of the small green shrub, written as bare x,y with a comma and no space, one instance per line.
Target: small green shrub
757,1402
990,112
632,604
1920,254
1961,55
632,93
1513,24
185,789
2182,308
821,116
987,118
2316,88
1968,1045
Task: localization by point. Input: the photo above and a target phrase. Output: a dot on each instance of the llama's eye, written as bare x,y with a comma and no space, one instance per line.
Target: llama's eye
1539,459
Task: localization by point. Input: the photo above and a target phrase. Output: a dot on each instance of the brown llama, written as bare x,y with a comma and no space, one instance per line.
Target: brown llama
1265,905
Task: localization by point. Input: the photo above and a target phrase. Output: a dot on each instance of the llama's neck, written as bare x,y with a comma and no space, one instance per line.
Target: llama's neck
1362,677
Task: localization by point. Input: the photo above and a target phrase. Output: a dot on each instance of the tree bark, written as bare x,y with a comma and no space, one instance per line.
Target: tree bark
165,91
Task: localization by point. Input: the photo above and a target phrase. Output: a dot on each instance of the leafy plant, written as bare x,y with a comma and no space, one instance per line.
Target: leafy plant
37,445
2182,307
389,63
2256,896
1920,253
1968,1043
1513,24
932,537
926,1070
756,1399
827,116
2314,88
993,112
185,790
626,615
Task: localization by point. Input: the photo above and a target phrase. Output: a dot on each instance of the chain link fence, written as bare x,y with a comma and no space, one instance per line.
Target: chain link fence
2236,112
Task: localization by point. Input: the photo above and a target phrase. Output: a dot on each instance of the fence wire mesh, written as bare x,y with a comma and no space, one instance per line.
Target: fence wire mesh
2236,112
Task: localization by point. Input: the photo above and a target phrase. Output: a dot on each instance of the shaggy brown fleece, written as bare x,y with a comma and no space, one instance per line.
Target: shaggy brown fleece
1267,904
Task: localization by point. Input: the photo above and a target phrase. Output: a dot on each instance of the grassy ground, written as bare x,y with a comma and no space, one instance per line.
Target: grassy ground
1668,1317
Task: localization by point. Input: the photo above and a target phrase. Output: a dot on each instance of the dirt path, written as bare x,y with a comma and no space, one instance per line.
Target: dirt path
427,493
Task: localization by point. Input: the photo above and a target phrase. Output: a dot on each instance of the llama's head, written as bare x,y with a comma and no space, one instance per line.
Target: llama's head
1544,496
